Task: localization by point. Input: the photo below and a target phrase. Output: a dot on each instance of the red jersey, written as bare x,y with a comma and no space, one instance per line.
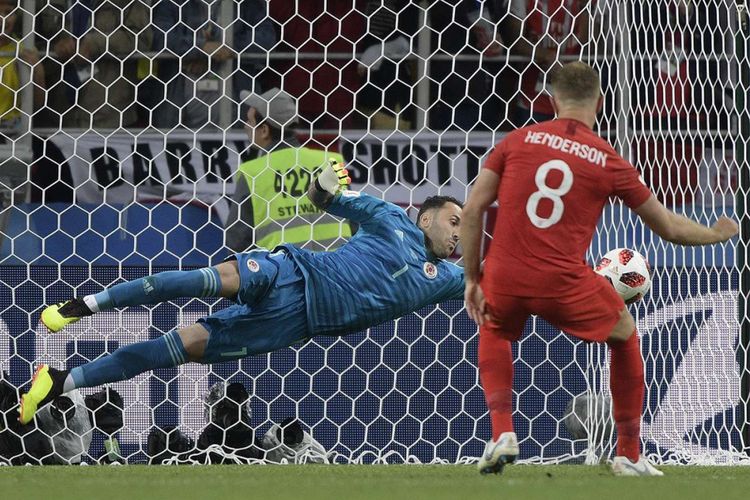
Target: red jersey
555,178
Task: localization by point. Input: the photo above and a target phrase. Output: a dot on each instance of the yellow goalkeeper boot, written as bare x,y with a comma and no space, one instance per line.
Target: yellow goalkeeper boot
499,453
46,384
58,316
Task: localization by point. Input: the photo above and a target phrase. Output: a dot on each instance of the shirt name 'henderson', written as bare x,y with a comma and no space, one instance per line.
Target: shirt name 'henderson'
584,151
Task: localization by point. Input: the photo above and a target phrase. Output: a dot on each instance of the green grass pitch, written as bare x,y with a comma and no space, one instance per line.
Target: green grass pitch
343,482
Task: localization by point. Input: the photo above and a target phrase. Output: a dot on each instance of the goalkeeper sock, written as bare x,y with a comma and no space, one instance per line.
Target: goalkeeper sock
128,361
160,287
496,373
626,383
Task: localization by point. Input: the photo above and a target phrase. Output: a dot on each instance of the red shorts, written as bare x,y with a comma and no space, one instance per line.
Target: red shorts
589,316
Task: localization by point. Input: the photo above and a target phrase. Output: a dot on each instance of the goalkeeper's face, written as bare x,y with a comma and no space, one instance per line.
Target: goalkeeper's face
441,228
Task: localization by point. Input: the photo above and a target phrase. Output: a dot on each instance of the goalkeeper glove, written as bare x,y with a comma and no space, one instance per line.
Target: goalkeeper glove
334,177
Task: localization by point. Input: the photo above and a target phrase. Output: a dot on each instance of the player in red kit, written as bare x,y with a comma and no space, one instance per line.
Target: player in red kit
551,181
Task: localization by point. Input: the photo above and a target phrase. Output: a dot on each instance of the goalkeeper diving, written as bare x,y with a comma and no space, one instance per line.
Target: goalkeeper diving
391,267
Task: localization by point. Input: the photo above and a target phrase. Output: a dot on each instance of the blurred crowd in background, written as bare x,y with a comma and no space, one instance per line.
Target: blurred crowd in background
352,64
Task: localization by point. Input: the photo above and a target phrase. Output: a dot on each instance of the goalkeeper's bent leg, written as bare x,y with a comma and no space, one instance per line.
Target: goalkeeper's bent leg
161,287
626,383
170,350
496,373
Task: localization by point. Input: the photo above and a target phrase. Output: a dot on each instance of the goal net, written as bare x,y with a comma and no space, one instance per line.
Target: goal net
126,119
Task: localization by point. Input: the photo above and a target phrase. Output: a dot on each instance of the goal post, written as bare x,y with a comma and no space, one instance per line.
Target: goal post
134,164
743,139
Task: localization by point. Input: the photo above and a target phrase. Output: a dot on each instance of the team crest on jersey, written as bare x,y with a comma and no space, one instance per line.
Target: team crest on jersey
430,270
253,266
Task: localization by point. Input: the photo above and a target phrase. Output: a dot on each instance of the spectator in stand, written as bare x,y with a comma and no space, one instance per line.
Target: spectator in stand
106,70
682,84
54,35
11,55
254,34
325,86
386,98
684,77
473,92
91,72
190,29
551,29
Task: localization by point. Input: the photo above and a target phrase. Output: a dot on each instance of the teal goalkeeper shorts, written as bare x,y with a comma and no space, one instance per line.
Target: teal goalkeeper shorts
270,313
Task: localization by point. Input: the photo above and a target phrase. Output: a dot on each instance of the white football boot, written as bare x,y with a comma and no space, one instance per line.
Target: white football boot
622,466
498,453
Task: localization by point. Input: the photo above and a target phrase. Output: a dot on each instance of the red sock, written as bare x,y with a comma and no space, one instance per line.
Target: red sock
496,374
626,383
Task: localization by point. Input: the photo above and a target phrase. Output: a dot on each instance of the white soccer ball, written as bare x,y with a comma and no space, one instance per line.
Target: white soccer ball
628,271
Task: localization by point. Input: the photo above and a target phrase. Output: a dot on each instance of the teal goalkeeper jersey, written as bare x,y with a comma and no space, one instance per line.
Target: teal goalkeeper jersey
382,273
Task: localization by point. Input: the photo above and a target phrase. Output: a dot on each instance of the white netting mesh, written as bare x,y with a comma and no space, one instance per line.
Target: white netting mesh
122,134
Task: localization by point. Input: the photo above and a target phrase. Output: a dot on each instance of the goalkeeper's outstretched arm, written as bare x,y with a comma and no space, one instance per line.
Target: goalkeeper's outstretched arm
331,180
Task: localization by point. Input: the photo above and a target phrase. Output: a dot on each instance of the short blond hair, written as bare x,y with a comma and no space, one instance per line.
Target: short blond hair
576,81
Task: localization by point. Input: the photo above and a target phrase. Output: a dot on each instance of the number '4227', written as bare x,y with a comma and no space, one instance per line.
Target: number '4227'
294,182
